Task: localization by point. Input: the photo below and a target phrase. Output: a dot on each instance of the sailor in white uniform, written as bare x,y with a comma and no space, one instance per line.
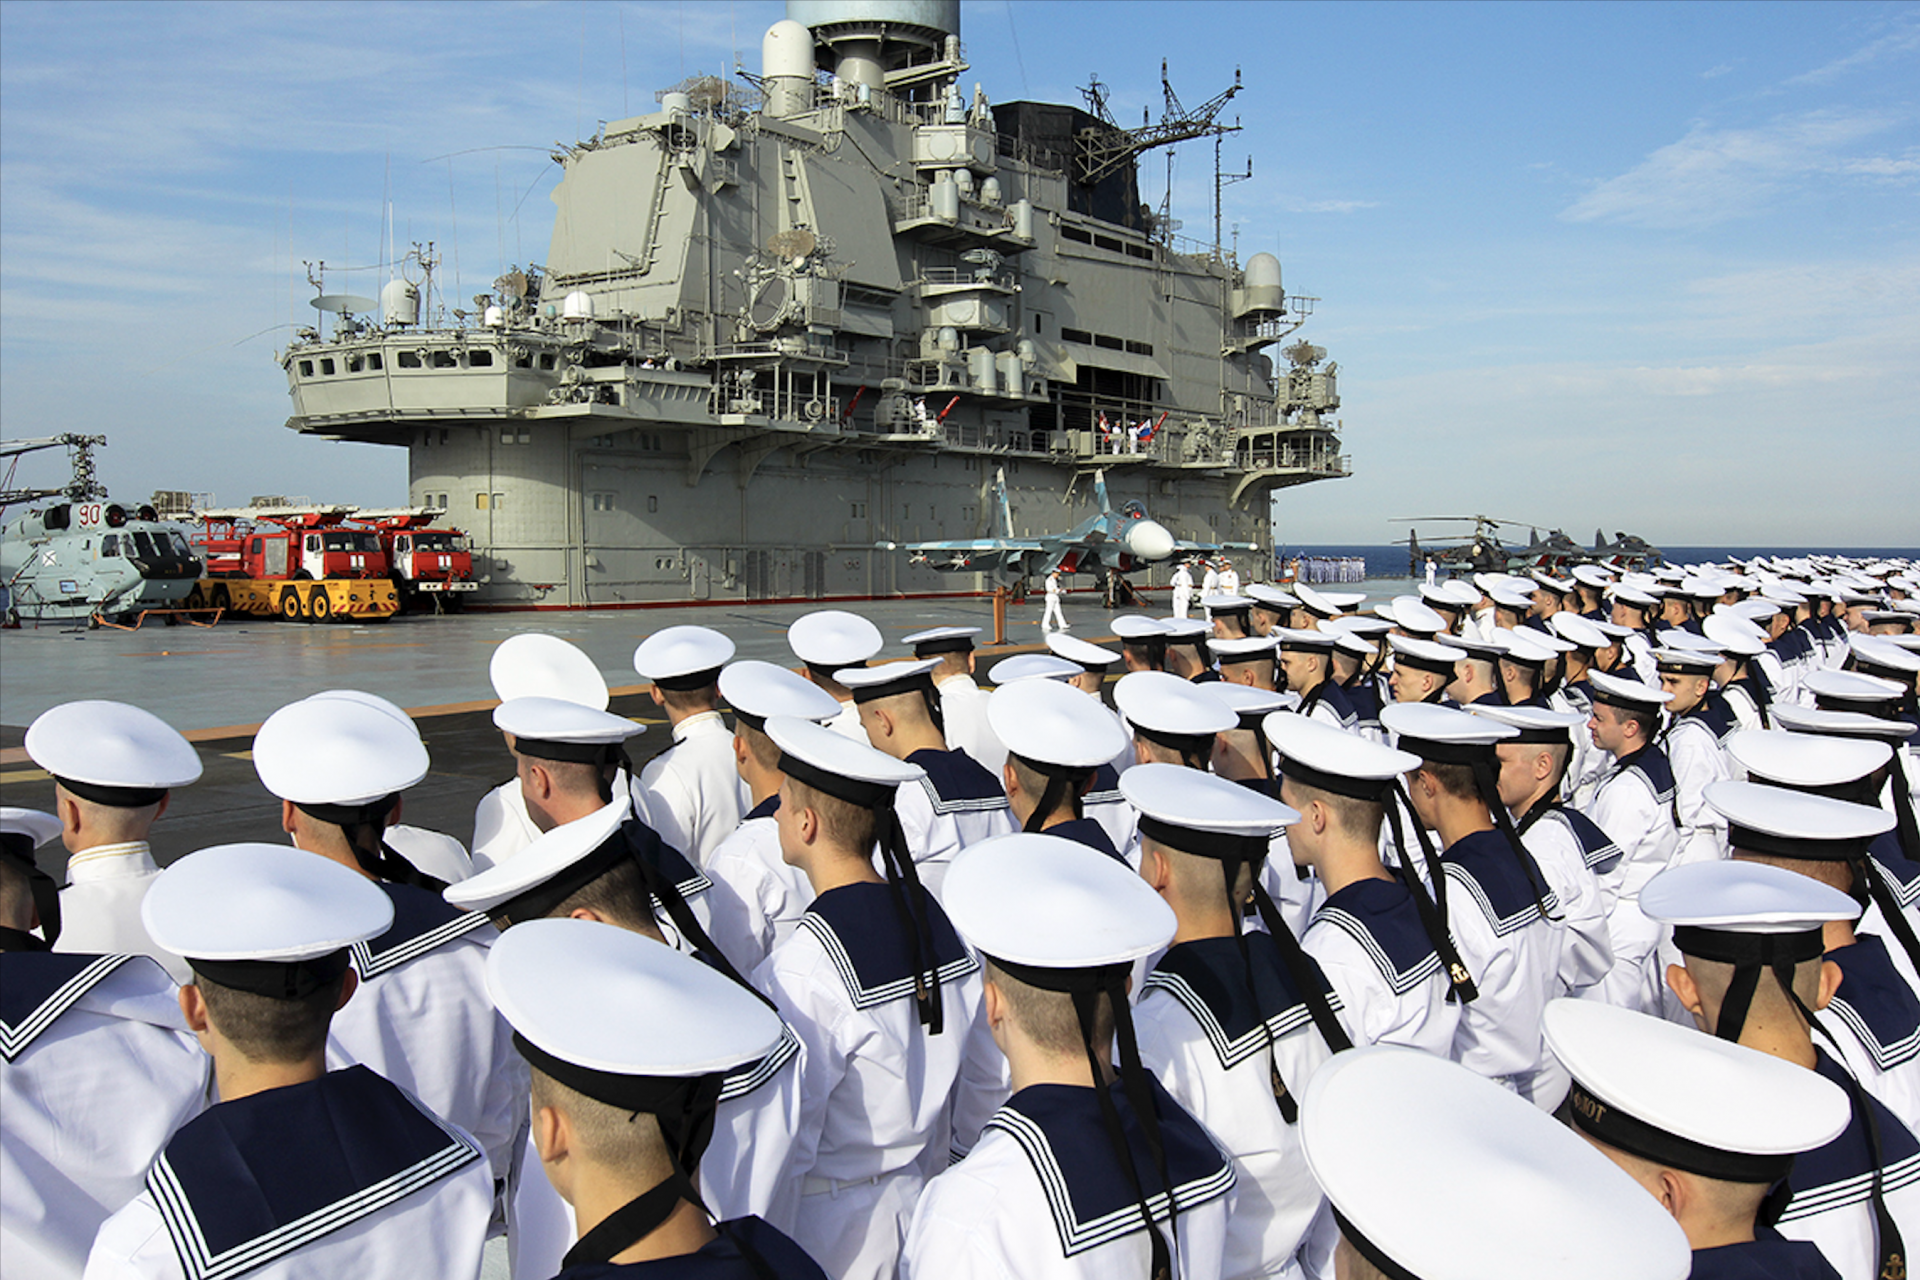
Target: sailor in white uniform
421,1017
1498,905
1635,609
773,894
1143,642
606,868
1087,1171
1569,849
297,1170
1248,660
1634,806
1057,738
830,640
113,766
963,703
1052,618
1182,585
1272,607
1751,938
1377,938
631,1047
1744,688
1229,578
1423,669
955,802
884,996
1698,723
1306,659
1706,1126
1187,649
1209,582
1172,720
532,664
1231,614
1103,803
1234,1021
97,1069
1510,1193
692,789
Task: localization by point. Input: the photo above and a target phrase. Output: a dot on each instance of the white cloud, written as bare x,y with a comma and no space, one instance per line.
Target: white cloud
1296,205
1714,73
1716,174
1905,38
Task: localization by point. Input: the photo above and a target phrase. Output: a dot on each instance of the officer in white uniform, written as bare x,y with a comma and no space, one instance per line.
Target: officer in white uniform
773,894
1073,1176
955,802
1052,618
1508,1192
605,867
1057,739
884,996
1377,938
831,640
630,1047
1229,578
1182,584
1634,806
963,703
692,789
297,1170
1234,1021
97,1070
421,1017
1752,941
532,664
1498,905
1707,1126
112,768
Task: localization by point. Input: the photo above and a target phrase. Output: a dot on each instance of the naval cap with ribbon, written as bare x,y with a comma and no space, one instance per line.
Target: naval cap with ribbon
1734,635
1592,575
1806,761
935,641
264,918
1558,586
636,1026
913,676
1057,915
1326,604
1319,755
1032,666
556,729
1229,603
1269,597
1242,649
1089,656
1412,615
680,659
829,639
1305,640
1059,733
1422,654
1135,628
758,691
21,832
1666,1093
1173,713
1513,1195
1582,633
1853,691
110,753
1629,695
858,774
1193,631
1547,725
1780,823
345,761
534,664
386,707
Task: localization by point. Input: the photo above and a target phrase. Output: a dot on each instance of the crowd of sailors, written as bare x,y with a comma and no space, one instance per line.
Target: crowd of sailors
1516,928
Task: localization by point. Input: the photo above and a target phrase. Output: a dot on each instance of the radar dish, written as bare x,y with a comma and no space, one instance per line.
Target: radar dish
512,287
797,242
344,304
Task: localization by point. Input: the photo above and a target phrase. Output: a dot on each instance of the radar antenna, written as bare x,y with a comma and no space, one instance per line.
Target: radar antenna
1100,151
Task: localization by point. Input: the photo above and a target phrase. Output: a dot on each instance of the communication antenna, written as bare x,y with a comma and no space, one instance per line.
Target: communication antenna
1221,181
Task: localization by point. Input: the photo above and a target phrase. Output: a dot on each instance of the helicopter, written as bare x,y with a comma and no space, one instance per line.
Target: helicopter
82,556
1484,551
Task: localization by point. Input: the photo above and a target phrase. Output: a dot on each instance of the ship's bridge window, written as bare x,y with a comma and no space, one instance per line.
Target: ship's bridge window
1077,335
1076,235
1108,341
445,360
373,361
355,364
306,368
546,359
480,359
524,360
326,366
409,359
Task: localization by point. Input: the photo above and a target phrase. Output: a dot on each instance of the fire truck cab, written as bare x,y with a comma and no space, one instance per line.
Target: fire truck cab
426,562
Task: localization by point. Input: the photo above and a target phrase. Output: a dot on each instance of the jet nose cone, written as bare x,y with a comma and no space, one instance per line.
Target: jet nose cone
1149,540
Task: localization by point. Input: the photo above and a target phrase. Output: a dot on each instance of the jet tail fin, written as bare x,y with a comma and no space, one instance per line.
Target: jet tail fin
1100,491
1000,494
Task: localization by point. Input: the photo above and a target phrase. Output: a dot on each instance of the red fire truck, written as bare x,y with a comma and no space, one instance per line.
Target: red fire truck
427,564
298,563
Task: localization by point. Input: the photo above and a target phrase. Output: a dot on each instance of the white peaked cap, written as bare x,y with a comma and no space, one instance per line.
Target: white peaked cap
1883,651
675,653
1033,666
1134,626
1512,1194
551,853
262,902
1244,648
1793,816
1427,652
1181,629
1430,722
1704,1090
1245,700
1327,603
1594,575
557,720
1270,598
1579,631
534,664
1805,759
1845,686
883,678
1052,903
1164,703
1838,724
1616,689
1050,723
337,751
1743,897
1411,613
1074,649
613,1001
365,699
111,744
36,826
942,640
1530,719
1734,634
764,690
833,638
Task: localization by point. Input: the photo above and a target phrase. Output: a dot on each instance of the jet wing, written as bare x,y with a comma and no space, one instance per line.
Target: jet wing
978,555
1184,545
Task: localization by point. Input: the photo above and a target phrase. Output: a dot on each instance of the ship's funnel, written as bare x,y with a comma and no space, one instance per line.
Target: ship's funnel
1149,540
861,40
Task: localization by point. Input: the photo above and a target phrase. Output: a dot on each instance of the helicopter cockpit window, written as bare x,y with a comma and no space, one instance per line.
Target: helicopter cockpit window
110,545
144,541
181,550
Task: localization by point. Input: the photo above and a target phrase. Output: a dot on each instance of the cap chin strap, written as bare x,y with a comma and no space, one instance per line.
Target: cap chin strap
1904,821
1433,915
1063,787
638,838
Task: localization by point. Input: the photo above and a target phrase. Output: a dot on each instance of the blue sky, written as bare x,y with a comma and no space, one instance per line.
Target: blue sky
1649,266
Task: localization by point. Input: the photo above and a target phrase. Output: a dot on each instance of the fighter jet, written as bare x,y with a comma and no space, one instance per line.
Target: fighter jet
1113,541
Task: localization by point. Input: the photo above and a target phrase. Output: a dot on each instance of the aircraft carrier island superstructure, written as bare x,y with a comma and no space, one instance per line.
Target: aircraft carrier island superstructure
785,320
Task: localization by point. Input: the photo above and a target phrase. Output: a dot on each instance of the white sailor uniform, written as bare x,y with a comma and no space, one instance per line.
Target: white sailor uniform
963,706
1572,853
742,1249
1511,945
422,1019
1200,1033
1692,745
848,723
1368,940
1634,807
502,826
1875,1018
347,1175
772,894
692,788
1041,1196
956,804
100,907
97,1070
1106,806
876,1086
1830,1205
